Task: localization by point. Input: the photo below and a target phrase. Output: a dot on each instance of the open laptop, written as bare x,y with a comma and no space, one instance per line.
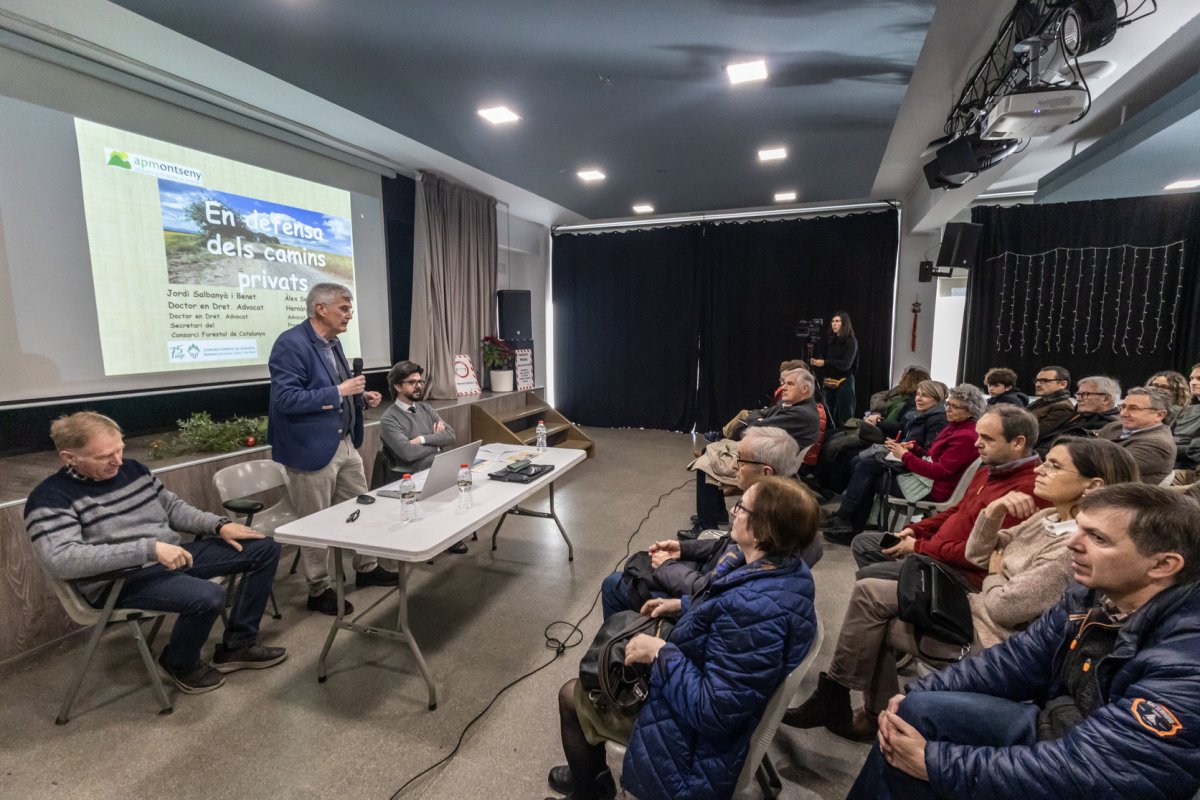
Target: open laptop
443,472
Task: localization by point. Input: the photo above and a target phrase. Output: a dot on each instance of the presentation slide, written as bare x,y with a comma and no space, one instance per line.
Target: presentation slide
200,261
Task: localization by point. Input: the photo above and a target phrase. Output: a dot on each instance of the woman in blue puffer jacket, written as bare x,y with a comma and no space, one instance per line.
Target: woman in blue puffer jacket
734,645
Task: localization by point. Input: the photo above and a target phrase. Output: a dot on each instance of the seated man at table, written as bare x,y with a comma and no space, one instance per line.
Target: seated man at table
101,513
686,566
1097,698
411,431
796,413
1143,434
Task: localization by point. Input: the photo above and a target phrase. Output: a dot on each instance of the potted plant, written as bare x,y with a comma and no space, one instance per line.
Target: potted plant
498,358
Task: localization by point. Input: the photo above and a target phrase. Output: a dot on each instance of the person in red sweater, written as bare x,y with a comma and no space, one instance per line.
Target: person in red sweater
1005,436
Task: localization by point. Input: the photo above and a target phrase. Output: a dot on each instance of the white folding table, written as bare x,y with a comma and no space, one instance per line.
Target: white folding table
378,531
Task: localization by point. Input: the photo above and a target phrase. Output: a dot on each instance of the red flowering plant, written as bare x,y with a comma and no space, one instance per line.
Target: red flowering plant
497,353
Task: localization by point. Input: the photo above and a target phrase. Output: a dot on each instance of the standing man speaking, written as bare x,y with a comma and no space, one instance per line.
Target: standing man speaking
315,426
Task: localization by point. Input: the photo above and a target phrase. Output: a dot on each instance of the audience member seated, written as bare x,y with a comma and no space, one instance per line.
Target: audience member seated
1097,698
1140,430
1028,567
1186,429
102,513
1003,436
893,405
1001,383
1095,407
735,424
796,413
686,567
733,646
1052,407
926,434
1176,387
890,409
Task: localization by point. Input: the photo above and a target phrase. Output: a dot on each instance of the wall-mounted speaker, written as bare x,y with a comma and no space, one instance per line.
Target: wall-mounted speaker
515,309
960,245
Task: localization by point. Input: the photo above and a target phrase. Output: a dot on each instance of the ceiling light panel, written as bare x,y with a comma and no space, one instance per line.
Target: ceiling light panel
590,175
499,115
1188,184
772,154
747,71
785,197
643,208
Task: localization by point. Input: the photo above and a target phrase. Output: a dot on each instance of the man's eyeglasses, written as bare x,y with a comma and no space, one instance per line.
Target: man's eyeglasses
1127,407
741,461
1048,380
412,383
1091,394
741,508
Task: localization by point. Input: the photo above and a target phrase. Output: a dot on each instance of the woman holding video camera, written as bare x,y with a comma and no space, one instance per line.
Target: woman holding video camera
838,368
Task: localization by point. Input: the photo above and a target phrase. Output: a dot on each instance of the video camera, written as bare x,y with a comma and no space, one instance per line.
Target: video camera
811,330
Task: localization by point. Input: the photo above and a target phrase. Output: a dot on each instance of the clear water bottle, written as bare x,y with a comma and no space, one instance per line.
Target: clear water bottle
464,487
408,499
541,436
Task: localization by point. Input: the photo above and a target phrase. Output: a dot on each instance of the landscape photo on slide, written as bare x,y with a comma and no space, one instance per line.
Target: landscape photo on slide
215,238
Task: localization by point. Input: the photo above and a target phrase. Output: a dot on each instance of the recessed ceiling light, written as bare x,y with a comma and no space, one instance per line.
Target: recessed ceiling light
785,197
643,208
772,154
1189,184
498,115
747,71
590,174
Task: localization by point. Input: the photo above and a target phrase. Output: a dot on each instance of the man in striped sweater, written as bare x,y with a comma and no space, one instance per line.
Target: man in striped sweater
101,513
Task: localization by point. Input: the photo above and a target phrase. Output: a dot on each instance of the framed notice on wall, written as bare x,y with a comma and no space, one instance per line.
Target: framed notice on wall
524,366
465,381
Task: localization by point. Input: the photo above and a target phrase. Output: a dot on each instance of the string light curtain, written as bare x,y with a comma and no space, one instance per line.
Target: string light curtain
1102,287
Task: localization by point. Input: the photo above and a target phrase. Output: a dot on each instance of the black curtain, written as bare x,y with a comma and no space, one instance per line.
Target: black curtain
764,277
639,315
626,327
1106,287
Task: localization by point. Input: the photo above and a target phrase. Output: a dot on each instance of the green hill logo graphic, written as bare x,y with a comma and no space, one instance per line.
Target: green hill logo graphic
118,159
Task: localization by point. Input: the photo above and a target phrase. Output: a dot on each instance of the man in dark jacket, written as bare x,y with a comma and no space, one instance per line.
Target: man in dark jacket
796,413
1099,698
1052,406
686,567
1095,407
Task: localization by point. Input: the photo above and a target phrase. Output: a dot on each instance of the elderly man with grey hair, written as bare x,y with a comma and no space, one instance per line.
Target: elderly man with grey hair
315,425
1143,434
796,414
1096,406
678,567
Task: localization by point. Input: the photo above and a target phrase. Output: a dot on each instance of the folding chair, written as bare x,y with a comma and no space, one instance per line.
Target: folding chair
99,619
907,508
235,485
757,767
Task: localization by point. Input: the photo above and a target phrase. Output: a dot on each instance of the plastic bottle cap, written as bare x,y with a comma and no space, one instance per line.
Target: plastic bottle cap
462,466
407,475
540,422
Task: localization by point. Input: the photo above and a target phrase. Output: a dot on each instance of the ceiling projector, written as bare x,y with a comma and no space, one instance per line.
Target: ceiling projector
1038,111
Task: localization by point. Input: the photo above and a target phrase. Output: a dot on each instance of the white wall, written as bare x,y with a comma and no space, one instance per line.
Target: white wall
913,250
524,263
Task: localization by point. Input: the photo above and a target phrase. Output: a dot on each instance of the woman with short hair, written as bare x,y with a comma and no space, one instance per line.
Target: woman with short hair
710,681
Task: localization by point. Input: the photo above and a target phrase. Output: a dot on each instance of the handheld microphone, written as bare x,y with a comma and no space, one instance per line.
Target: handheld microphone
356,366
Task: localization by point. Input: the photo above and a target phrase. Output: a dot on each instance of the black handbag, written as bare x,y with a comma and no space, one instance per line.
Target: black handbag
611,684
935,604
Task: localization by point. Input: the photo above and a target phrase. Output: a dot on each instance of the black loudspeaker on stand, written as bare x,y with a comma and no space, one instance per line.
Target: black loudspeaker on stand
515,314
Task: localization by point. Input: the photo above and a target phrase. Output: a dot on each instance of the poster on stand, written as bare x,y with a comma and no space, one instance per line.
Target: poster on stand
465,381
524,367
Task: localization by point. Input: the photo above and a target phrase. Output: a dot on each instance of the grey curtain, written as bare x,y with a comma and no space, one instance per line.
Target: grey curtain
454,278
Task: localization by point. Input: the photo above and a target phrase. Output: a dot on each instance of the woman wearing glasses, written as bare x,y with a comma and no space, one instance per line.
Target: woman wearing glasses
1028,567
1185,426
733,646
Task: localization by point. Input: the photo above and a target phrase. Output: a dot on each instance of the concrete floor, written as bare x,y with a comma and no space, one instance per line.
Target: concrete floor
480,620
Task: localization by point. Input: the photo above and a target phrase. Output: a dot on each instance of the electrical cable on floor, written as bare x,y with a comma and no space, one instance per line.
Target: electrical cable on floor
573,638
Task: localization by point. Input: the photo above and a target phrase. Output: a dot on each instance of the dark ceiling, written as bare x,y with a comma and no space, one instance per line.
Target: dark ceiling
635,88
